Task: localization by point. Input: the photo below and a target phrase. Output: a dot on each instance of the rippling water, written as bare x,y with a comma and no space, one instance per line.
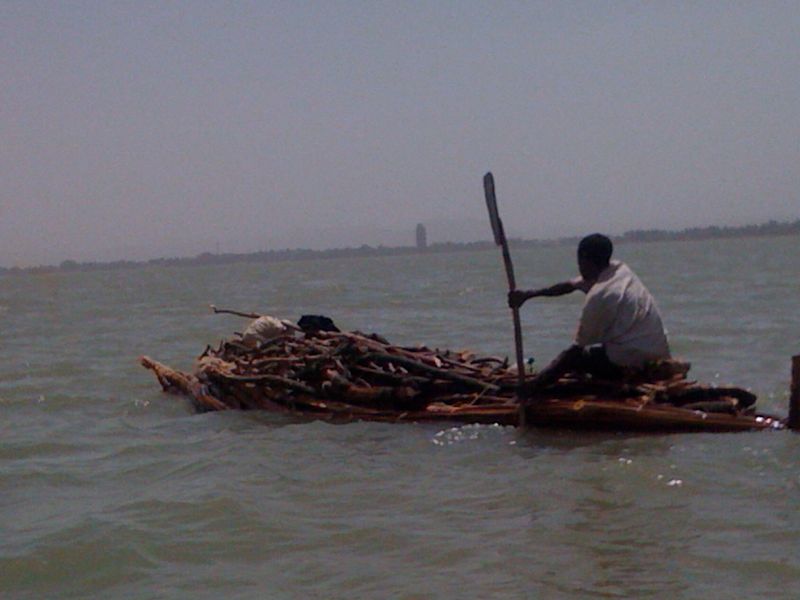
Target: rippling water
108,488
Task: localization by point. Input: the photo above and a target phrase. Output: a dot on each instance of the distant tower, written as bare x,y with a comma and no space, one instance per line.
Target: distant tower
422,237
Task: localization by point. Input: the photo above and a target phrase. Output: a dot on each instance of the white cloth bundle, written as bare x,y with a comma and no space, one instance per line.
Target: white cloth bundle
266,328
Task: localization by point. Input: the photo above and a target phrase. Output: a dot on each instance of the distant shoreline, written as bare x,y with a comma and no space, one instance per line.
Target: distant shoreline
768,229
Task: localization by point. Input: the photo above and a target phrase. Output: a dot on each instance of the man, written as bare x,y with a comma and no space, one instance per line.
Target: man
620,326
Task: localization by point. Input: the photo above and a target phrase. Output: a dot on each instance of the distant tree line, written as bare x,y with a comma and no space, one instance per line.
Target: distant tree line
771,228
701,233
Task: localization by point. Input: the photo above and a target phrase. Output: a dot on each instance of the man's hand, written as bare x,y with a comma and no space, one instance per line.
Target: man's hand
518,297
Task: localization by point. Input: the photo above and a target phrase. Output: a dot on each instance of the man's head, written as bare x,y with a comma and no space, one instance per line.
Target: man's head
594,254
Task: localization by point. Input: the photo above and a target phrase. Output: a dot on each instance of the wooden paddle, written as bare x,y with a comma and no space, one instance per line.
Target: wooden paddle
500,240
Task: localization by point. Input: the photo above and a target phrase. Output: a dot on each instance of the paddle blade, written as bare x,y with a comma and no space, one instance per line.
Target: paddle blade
491,204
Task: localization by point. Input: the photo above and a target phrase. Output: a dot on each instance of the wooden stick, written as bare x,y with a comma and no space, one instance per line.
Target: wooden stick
218,311
423,368
500,240
794,396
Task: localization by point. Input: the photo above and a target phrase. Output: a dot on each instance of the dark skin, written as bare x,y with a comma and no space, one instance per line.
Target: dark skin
589,271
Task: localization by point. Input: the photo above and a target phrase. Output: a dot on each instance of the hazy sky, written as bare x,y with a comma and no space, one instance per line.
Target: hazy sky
144,129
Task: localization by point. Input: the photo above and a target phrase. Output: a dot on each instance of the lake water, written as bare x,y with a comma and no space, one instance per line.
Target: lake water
111,489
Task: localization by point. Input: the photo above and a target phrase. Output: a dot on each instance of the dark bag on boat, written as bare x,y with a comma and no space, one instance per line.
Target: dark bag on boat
314,323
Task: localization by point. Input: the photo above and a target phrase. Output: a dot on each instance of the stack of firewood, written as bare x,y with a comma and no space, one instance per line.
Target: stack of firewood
352,375
347,375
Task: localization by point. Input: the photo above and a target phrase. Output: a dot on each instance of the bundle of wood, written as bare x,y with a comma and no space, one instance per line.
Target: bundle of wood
350,376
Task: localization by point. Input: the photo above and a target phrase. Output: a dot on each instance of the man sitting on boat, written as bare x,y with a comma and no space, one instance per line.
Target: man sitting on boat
620,327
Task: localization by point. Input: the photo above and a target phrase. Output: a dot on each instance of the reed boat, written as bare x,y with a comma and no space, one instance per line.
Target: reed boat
346,376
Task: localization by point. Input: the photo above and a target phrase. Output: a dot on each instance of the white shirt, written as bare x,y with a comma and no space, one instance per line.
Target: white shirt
621,314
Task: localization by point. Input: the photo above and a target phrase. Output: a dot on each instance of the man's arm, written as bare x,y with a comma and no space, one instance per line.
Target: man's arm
518,297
